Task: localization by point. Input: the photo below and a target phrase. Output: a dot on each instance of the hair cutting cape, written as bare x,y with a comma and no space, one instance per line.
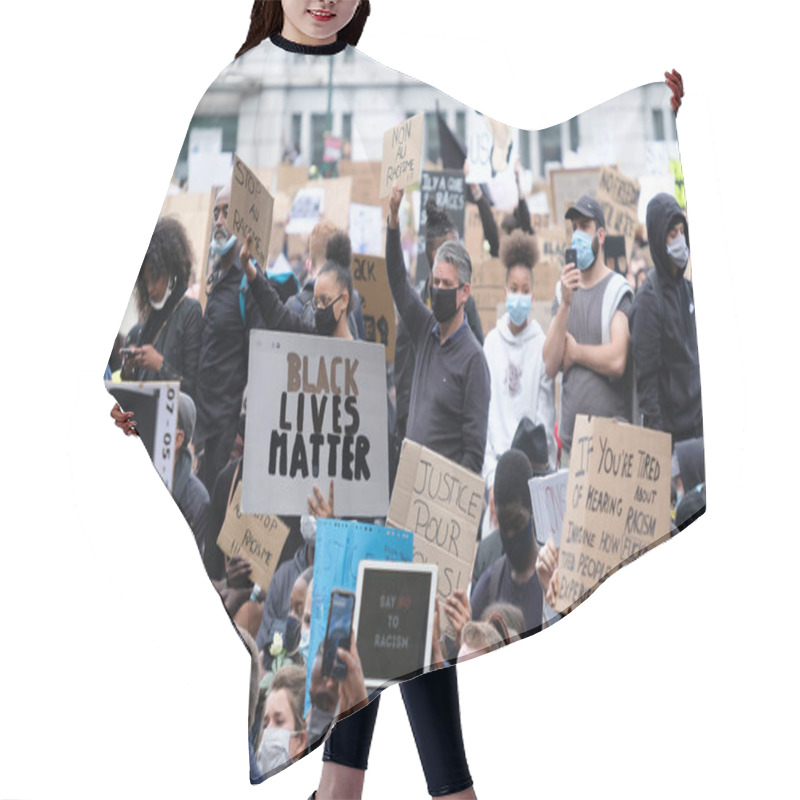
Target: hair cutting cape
326,135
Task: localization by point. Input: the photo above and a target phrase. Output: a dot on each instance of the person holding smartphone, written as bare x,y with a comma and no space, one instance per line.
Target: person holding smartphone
588,337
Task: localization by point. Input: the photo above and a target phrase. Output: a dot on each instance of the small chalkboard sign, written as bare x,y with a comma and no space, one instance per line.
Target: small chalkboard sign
394,619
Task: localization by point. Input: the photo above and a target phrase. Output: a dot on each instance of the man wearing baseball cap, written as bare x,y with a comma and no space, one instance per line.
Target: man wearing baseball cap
588,336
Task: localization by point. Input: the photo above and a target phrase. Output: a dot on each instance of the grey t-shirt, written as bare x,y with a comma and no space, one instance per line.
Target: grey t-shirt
584,391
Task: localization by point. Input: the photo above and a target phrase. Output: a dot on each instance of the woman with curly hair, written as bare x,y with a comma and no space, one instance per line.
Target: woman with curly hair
165,344
513,349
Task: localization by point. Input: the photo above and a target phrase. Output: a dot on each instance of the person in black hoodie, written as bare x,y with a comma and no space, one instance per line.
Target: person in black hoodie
663,329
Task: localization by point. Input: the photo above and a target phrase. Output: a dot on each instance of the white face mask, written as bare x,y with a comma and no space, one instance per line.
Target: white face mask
163,301
305,640
274,750
678,251
308,527
220,248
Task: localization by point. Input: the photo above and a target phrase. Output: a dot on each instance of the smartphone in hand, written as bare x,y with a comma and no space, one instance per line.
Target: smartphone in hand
340,626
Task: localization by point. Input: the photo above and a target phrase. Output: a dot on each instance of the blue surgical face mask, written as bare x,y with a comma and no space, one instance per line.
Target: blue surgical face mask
678,251
305,639
582,243
219,249
518,306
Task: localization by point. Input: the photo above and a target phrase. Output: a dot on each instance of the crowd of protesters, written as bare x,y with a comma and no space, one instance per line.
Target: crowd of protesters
489,405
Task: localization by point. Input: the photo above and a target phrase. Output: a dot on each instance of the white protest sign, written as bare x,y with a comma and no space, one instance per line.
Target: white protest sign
549,502
479,149
366,229
155,408
307,207
394,619
316,411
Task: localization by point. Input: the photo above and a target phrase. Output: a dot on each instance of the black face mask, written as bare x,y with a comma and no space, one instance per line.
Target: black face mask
519,547
325,320
443,303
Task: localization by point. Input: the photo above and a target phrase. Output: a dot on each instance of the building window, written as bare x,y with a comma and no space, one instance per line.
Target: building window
347,127
525,148
230,129
434,150
658,124
550,145
297,131
574,135
319,125
461,127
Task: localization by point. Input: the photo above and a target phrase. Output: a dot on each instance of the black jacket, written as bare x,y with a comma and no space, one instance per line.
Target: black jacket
179,342
664,335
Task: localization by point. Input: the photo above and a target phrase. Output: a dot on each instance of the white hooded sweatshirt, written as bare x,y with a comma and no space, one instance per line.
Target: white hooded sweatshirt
520,388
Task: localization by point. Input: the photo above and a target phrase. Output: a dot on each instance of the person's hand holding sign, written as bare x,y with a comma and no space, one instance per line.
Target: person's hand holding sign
317,505
458,612
246,260
547,570
124,420
394,206
352,690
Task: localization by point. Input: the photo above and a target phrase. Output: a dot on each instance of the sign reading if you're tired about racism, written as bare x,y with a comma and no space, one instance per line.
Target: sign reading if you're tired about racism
316,411
617,503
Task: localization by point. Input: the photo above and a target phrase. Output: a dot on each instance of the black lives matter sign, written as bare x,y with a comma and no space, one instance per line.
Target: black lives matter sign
316,412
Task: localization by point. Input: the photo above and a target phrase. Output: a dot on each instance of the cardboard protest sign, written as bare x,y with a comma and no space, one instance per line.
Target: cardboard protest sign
155,409
402,154
280,211
394,619
441,503
193,211
337,200
291,178
307,207
366,228
366,177
618,497
618,196
446,188
549,503
316,411
488,287
372,283
258,538
250,210
339,548
473,234
567,185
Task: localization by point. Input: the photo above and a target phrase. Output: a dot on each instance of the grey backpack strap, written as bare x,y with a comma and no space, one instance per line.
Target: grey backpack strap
617,288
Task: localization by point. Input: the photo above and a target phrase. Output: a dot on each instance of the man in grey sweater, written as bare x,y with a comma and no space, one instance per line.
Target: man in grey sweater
449,405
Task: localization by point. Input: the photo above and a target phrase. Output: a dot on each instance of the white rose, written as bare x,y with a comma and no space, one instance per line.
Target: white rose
276,648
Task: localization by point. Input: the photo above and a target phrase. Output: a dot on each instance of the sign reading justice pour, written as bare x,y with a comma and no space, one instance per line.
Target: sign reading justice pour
316,411
440,502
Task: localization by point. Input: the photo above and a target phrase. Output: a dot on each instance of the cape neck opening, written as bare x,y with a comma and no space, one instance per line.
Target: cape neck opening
307,49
